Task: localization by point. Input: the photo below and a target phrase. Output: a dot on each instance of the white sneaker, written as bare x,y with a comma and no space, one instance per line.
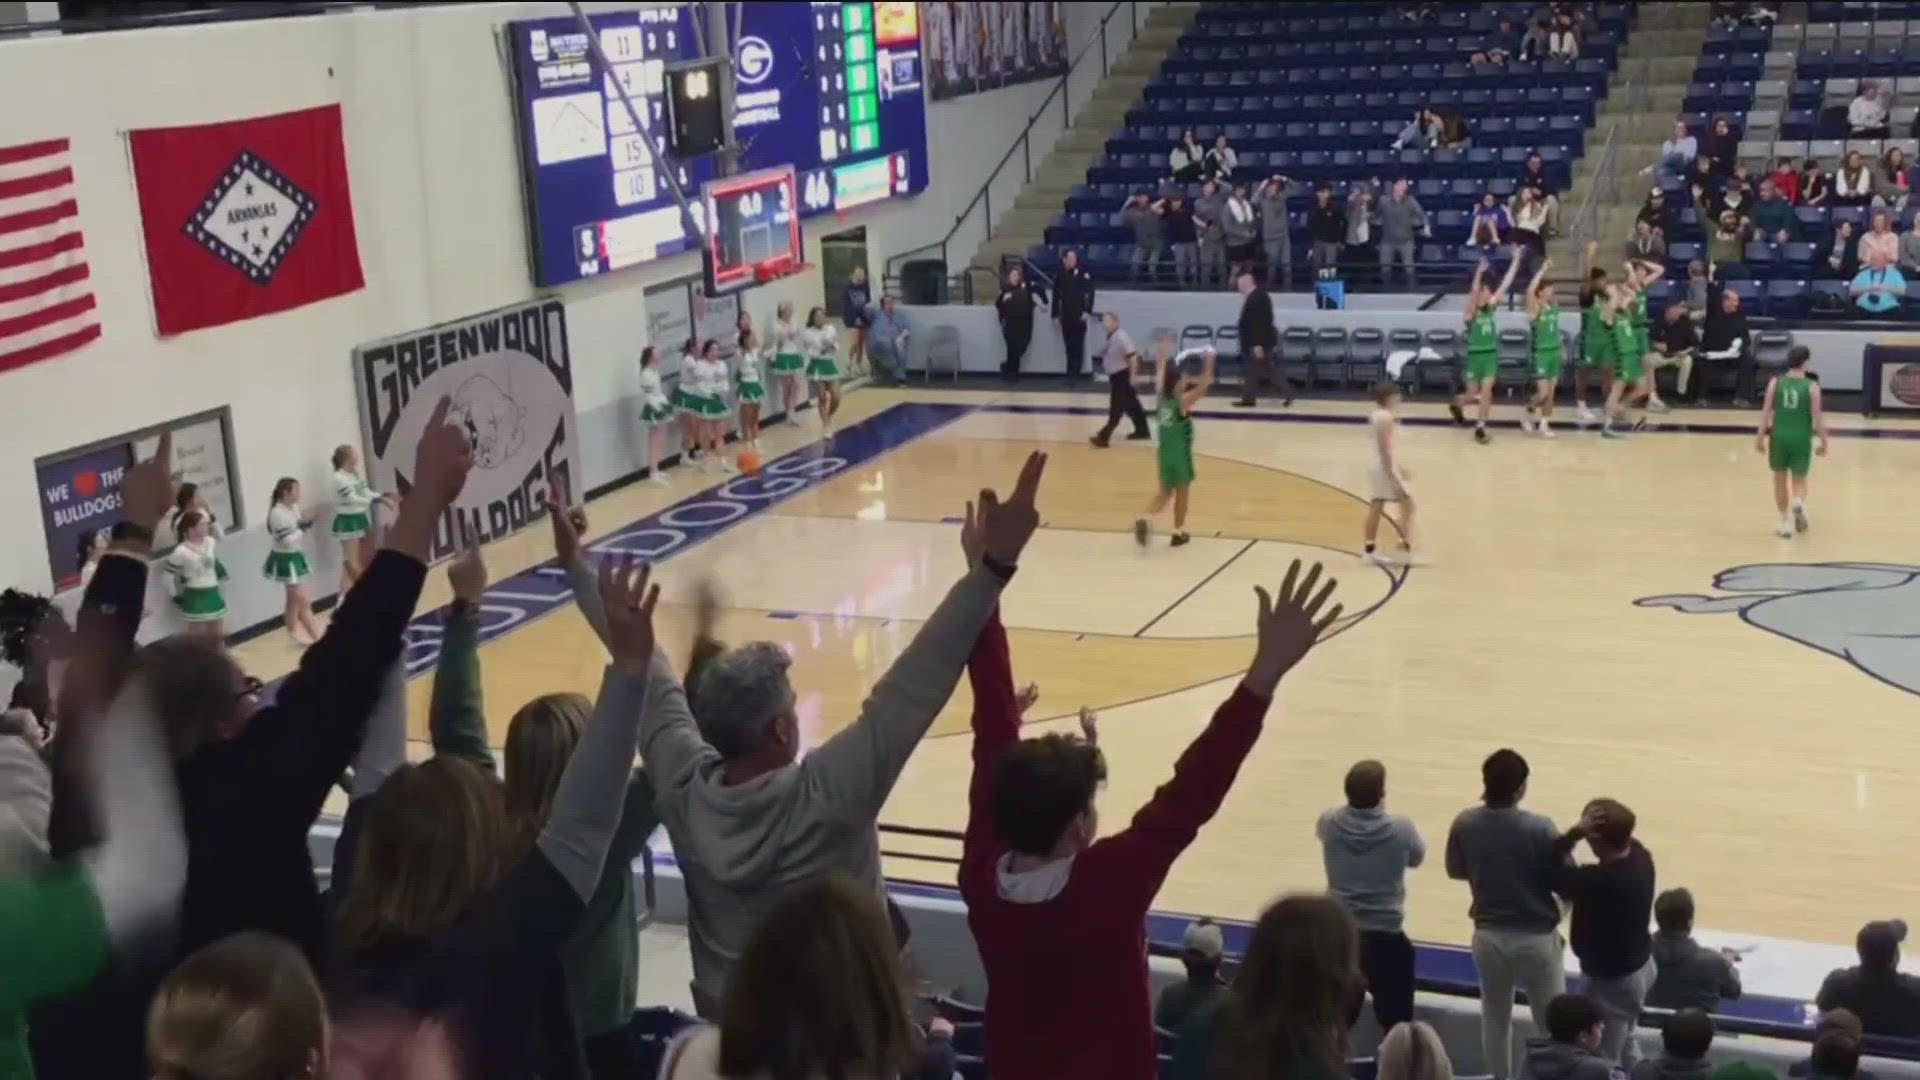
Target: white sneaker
659,479
1800,519
1374,558
1785,531
1587,415
1546,431
728,467
1526,426
1656,405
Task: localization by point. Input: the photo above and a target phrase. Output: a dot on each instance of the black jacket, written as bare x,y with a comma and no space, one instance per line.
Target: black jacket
1327,224
1724,329
1256,320
1676,337
1072,295
1016,302
1612,906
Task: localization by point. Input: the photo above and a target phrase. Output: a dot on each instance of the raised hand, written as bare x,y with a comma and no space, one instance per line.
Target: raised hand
1002,529
441,461
147,489
1290,627
1028,697
1090,726
629,596
568,525
468,572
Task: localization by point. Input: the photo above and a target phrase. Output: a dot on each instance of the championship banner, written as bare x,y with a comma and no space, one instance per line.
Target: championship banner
972,47
509,374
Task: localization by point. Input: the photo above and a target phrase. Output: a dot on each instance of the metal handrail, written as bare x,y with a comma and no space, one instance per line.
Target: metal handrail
1023,143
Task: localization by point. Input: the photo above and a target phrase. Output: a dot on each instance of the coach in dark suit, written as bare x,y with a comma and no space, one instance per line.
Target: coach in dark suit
1259,337
1072,301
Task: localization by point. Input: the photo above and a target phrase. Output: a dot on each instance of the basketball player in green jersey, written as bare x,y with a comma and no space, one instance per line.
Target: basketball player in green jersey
1596,338
1548,352
1792,415
1643,275
1183,383
1483,347
1630,370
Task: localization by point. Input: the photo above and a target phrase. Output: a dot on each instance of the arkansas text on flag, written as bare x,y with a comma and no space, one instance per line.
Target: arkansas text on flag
245,218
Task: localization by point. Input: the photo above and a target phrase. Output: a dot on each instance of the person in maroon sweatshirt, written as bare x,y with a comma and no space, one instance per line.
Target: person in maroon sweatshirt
1060,918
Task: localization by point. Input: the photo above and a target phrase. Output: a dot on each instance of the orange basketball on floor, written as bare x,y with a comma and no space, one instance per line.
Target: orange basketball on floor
749,463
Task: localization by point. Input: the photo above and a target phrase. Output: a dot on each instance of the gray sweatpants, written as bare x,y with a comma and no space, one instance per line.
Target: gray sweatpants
1621,1001
1531,959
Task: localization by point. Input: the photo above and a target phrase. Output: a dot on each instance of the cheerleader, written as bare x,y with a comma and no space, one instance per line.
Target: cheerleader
656,411
352,514
1183,384
748,388
789,365
682,396
197,575
704,390
287,563
823,370
188,498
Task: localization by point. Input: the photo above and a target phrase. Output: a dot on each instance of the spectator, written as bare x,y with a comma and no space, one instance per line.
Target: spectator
1698,286
1725,341
890,332
1500,46
1867,114
1533,43
1209,215
1656,213
1721,147
1529,228
1187,159
1183,235
1676,153
1733,195
1455,134
1241,226
1327,229
1259,337
1413,1051
1834,1021
1015,307
1836,1056
1402,221
1684,1041
1363,225
1143,217
1220,160
818,991
1841,258
1563,42
1786,181
1612,901
747,815
856,311
1422,131
1879,286
1533,176
1291,1004
1727,246
1570,1050
1688,975
1120,361
1058,916
1073,297
1674,344
1201,948
1705,185
1508,858
246,1007
1275,241
1853,184
1910,248
1880,241
1491,223
1368,852
1816,187
1773,216
1646,245
1892,182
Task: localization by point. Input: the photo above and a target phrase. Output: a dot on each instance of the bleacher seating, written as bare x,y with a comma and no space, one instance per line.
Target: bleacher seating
1317,93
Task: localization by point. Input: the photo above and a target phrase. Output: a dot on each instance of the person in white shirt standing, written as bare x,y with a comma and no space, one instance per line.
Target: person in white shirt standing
1386,476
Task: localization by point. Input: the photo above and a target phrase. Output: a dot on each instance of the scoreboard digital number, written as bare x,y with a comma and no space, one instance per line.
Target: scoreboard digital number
754,229
832,90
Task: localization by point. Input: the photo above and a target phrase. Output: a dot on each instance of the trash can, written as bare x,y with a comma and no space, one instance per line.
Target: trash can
923,281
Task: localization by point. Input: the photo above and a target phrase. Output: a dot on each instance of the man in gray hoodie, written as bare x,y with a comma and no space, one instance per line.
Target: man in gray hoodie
1684,1043
1507,857
1402,221
1570,1052
1368,853
749,819
1209,212
1271,202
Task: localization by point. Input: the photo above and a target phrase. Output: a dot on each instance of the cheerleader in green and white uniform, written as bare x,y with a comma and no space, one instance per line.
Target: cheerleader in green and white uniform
704,393
789,366
752,393
689,426
823,366
287,562
352,514
197,575
656,411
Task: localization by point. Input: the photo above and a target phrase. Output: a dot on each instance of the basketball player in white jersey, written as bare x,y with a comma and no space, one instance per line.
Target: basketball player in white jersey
1386,475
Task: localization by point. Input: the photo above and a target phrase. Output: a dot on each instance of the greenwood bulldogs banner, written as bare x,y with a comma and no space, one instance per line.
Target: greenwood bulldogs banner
510,376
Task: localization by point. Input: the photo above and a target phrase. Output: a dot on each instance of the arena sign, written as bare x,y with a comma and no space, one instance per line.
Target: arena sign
509,374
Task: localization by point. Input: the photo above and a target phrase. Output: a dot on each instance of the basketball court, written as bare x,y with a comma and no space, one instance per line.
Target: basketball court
1620,612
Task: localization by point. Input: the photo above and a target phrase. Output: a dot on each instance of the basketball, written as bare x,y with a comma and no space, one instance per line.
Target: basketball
749,463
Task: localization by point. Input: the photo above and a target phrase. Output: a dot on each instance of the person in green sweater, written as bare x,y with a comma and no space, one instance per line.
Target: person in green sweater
1298,991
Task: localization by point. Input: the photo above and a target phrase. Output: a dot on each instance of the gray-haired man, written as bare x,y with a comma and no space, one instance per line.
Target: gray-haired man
749,819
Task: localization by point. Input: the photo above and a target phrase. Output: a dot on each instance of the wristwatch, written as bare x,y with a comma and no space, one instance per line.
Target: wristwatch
1003,569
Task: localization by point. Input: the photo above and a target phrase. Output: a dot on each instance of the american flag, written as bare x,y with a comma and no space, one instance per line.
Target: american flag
46,299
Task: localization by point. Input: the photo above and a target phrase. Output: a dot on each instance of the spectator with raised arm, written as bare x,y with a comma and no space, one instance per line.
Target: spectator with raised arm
1220,161
1327,229
1183,236
1403,221
1058,915
1142,216
1612,902
1209,214
1187,158
1276,241
1422,132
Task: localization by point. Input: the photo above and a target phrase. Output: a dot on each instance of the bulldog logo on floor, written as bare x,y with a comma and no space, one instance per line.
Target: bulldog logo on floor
1867,614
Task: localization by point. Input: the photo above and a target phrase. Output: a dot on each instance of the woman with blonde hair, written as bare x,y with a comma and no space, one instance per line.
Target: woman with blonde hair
246,1007
1413,1051
818,992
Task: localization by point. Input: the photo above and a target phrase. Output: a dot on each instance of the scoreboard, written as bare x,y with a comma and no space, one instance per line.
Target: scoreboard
832,89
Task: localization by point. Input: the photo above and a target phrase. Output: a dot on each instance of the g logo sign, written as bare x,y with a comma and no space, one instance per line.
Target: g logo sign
753,61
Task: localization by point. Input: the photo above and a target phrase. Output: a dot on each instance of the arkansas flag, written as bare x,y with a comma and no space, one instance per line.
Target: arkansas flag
245,218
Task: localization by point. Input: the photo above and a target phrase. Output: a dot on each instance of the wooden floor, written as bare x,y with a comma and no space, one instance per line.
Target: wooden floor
1766,752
